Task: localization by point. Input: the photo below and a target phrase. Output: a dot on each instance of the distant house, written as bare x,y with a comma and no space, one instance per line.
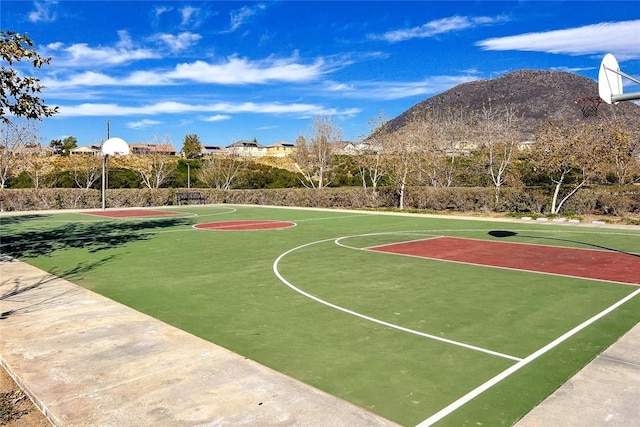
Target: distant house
461,148
146,148
85,151
280,149
525,145
32,148
348,148
212,150
246,148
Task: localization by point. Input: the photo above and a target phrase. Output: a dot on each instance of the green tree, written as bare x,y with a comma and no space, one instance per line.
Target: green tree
56,146
63,147
68,144
20,95
192,148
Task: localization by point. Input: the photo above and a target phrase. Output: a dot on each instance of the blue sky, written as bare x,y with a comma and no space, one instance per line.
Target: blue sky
225,71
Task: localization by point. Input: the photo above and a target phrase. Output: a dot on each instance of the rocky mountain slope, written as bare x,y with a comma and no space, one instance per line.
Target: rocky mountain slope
537,95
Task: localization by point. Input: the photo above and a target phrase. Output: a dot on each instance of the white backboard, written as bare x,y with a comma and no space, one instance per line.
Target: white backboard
115,146
609,79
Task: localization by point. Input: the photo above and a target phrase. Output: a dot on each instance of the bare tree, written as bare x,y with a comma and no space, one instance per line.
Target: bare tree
14,134
621,149
303,162
401,152
221,172
154,168
454,130
498,134
314,158
428,148
86,169
567,154
370,161
40,167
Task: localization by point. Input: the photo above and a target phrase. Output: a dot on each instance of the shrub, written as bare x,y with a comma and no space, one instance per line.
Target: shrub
595,200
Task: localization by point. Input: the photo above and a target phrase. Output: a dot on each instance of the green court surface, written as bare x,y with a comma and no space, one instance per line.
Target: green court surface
414,339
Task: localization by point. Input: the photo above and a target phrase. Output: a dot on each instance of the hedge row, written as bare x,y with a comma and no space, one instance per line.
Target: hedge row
597,200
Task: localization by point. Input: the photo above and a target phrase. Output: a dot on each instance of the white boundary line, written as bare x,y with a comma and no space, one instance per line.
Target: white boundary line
372,319
247,222
524,362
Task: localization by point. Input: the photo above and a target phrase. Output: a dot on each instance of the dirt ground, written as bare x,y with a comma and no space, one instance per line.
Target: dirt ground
16,409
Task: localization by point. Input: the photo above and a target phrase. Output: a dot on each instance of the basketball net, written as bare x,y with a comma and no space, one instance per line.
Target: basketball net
589,105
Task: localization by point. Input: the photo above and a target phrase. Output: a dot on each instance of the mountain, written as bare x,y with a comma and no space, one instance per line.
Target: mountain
538,96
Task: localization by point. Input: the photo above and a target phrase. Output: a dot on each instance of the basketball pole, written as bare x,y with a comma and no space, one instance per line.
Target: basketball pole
104,167
104,182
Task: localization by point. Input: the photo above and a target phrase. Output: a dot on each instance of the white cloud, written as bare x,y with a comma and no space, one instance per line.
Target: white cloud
44,11
377,90
142,124
233,71
81,54
217,118
94,79
161,10
178,42
192,17
88,78
171,107
242,71
619,38
240,16
439,26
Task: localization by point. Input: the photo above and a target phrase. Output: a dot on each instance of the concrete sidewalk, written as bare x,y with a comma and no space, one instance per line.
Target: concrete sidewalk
88,361
606,392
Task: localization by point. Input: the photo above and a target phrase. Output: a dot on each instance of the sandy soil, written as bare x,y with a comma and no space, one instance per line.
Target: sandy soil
16,409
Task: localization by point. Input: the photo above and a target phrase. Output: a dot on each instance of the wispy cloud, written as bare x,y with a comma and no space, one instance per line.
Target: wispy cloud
619,38
171,107
217,118
243,71
381,90
142,124
192,17
439,26
44,11
232,71
240,16
81,54
179,42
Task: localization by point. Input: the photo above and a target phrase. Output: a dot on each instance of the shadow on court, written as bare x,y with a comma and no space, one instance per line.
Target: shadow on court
501,234
93,236
13,289
19,219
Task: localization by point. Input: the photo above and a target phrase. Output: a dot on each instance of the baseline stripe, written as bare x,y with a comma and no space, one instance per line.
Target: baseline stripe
524,362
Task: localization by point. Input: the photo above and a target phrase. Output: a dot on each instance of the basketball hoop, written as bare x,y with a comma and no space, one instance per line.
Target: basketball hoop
111,147
589,105
610,82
